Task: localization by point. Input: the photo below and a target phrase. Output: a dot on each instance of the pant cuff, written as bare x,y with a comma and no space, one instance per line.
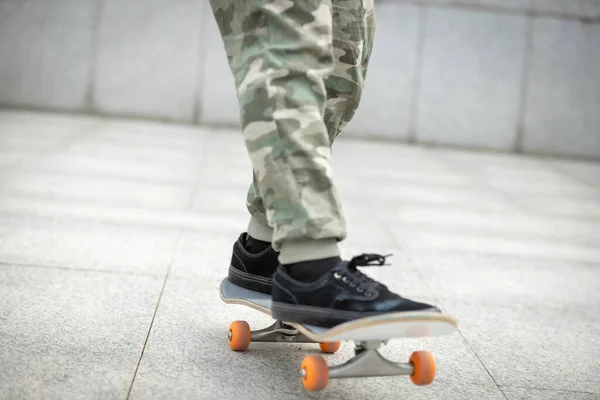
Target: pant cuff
308,250
259,231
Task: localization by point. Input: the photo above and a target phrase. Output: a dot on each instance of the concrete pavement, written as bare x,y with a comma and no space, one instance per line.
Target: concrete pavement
115,234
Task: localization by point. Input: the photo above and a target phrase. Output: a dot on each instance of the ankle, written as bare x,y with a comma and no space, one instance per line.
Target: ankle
308,271
259,230
255,246
296,251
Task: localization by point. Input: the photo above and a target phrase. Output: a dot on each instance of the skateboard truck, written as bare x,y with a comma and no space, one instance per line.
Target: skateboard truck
367,361
240,336
278,332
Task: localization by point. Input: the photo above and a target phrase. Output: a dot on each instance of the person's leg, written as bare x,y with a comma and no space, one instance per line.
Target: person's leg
353,28
310,292
282,96
280,54
352,47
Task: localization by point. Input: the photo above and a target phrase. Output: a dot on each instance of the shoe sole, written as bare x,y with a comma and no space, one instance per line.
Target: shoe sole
323,317
249,281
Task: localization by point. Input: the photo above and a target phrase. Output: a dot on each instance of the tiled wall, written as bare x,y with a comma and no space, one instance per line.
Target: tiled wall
513,75
471,73
46,52
148,57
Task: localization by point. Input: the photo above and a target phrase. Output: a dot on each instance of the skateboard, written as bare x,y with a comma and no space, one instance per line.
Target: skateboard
368,335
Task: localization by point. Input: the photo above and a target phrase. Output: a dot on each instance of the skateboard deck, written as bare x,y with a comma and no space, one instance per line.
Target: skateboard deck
380,328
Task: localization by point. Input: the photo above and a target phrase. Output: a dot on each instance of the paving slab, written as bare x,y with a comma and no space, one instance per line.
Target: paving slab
141,152
587,172
565,189
512,225
86,245
544,394
94,166
71,334
121,216
583,208
533,323
474,243
9,158
94,190
222,199
204,255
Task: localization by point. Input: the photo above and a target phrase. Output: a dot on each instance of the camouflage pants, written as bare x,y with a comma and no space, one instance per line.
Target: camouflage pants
299,69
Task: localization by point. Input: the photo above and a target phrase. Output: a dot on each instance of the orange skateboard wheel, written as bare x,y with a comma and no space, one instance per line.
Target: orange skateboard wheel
239,335
330,347
424,367
315,373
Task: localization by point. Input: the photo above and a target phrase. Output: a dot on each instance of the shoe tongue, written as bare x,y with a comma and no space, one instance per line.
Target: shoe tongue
343,265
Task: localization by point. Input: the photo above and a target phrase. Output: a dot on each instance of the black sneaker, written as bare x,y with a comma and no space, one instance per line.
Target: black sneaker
252,271
340,295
